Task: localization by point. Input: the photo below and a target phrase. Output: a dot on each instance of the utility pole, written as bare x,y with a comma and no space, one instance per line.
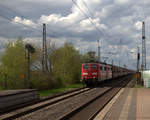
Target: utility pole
143,47
143,66
119,52
44,56
99,58
128,59
112,68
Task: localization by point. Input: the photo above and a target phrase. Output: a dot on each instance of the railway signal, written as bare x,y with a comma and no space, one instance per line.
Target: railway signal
30,49
138,59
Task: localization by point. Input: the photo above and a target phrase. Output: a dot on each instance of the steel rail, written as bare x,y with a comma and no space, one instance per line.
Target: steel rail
79,109
40,104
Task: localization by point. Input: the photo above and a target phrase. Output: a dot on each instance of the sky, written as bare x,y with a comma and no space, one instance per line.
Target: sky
116,24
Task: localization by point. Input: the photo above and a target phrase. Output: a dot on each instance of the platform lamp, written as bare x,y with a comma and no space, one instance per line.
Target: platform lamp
30,50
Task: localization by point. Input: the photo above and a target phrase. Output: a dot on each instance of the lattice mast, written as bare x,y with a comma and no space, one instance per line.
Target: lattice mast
44,50
143,46
99,53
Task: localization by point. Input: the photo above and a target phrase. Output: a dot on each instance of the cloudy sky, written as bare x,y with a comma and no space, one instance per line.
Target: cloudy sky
115,23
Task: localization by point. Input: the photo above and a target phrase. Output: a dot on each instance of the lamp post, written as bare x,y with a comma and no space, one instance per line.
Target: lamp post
30,50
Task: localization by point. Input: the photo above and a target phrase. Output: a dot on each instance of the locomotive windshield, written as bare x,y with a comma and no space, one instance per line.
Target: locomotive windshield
85,66
94,67
89,66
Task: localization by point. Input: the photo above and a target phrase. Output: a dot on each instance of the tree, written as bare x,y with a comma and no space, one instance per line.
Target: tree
14,64
66,64
89,57
91,54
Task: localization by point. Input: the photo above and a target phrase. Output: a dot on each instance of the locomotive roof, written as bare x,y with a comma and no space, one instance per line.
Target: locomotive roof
96,62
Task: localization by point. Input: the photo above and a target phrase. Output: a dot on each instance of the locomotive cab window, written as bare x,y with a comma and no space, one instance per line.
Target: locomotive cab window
101,68
85,66
94,67
105,68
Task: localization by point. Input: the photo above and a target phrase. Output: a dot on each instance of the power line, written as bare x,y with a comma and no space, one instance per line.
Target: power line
90,14
5,17
10,20
87,8
98,41
9,9
89,18
22,17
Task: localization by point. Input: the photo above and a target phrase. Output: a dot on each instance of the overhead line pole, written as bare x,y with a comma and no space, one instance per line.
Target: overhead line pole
99,54
143,47
44,50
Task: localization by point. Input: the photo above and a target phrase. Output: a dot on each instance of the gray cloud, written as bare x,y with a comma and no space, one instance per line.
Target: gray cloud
117,19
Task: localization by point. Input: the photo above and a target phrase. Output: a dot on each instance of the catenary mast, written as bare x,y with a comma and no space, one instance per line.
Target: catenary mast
143,47
44,50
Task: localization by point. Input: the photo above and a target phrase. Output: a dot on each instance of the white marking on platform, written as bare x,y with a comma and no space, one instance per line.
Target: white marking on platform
102,114
126,106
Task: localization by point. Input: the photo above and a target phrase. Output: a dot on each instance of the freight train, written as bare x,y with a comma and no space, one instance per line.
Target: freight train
92,73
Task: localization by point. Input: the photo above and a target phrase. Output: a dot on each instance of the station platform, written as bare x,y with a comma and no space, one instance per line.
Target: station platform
128,104
9,99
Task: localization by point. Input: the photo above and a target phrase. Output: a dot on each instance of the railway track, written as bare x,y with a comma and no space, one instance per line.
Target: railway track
77,105
24,109
89,110
13,108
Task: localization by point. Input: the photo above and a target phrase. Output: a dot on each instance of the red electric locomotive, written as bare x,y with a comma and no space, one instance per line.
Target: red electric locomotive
92,73
95,72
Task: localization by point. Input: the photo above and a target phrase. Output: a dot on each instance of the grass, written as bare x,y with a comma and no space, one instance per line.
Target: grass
44,93
139,86
1,88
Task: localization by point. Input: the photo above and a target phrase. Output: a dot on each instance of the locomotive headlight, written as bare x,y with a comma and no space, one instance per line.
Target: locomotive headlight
85,73
94,73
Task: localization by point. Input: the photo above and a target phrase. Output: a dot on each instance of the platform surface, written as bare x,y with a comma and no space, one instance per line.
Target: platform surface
12,92
132,104
10,99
